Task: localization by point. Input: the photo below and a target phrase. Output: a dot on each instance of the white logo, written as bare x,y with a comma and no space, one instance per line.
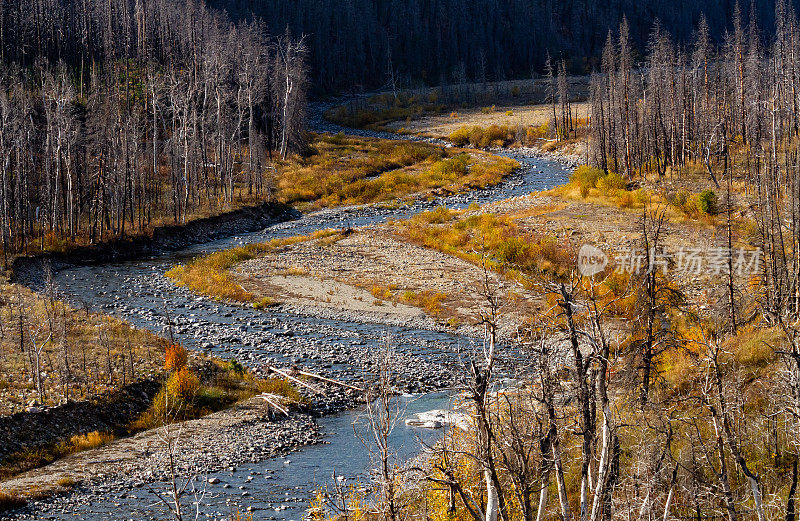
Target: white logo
591,260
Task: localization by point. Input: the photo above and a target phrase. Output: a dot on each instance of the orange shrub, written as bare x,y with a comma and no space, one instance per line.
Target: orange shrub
175,357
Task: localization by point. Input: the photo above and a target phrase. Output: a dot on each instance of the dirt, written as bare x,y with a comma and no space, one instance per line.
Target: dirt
356,272
442,125
370,270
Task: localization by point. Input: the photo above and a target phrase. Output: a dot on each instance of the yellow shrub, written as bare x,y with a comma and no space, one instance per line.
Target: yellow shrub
440,215
280,387
89,440
533,134
586,178
611,183
625,199
183,385
460,136
9,500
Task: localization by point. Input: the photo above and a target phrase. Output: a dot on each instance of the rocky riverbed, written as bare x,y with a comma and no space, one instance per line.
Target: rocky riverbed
340,344
245,434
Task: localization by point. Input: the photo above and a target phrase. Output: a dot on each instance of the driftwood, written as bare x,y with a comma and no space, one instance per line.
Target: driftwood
272,399
324,379
296,380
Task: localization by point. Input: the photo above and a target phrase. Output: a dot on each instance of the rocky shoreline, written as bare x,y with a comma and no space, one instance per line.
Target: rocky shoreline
343,345
247,433
32,270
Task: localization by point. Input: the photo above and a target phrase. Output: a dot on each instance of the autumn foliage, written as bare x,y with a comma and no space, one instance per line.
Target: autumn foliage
175,357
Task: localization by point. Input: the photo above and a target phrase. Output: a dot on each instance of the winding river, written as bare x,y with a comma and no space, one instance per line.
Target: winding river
281,488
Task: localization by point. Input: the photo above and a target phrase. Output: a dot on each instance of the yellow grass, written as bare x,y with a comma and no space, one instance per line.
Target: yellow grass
488,238
210,275
344,171
535,117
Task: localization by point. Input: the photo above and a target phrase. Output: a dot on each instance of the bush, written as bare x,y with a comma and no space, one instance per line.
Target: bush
66,482
183,385
235,367
263,303
586,177
611,183
175,357
280,387
438,216
707,202
625,199
683,202
495,135
174,400
86,441
532,134
512,250
449,169
477,136
460,137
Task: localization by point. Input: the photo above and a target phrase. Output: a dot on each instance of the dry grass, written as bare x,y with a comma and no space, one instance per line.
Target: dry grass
35,457
210,274
344,171
442,125
11,500
87,441
494,240
88,354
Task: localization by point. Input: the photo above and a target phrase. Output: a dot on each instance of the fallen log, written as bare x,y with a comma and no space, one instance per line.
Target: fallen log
272,400
330,380
296,380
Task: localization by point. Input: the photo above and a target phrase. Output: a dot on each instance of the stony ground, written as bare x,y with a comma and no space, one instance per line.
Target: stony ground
371,271
246,433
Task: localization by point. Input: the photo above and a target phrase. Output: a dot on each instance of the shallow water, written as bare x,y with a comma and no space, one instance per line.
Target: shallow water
282,488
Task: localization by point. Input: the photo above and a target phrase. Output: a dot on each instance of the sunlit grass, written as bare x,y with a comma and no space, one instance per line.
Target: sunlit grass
210,274
493,240
345,171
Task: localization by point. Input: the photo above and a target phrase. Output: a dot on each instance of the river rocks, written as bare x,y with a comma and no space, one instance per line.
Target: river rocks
339,345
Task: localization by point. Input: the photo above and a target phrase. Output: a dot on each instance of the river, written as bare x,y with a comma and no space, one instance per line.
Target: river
281,488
